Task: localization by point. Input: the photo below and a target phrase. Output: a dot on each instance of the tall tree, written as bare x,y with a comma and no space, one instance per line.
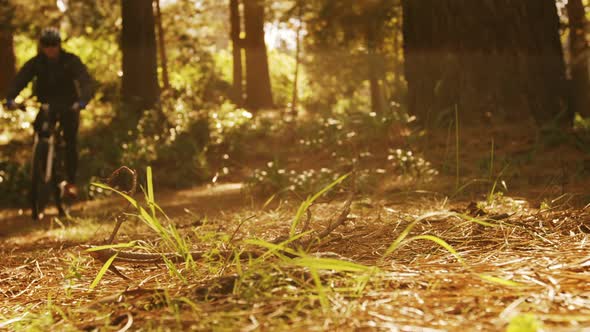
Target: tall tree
7,60
578,48
162,47
295,94
258,88
348,43
481,57
7,57
374,39
235,31
140,88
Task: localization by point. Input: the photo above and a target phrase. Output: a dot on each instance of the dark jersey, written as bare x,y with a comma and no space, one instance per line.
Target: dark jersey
63,81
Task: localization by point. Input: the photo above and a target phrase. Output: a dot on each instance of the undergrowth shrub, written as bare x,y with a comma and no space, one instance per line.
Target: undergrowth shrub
15,182
409,165
275,179
404,165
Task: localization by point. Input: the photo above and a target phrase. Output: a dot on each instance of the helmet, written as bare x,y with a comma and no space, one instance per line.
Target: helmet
50,37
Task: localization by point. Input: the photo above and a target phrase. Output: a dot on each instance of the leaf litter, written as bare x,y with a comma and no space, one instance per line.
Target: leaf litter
408,262
534,263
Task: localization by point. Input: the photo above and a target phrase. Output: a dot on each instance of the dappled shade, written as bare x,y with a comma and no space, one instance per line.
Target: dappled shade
399,165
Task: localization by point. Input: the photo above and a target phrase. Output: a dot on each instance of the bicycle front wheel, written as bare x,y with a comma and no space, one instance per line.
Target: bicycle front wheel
40,186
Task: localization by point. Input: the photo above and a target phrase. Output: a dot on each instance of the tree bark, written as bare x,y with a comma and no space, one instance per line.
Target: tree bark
295,95
7,60
235,30
7,57
375,67
578,48
258,87
140,89
484,58
162,47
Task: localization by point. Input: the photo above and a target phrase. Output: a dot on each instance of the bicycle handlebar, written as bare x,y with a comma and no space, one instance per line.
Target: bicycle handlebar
23,107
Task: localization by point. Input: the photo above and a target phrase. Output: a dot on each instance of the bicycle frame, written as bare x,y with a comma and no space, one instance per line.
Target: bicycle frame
47,139
53,129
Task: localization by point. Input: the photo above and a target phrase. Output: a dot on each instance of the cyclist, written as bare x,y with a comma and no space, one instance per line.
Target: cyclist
62,81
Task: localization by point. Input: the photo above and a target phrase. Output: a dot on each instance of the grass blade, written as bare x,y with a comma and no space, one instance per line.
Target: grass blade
271,246
150,191
320,289
338,265
309,201
102,271
441,243
476,220
112,246
409,228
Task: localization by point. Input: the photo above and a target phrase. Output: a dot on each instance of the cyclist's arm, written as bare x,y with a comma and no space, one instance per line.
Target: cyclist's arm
23,77
85,81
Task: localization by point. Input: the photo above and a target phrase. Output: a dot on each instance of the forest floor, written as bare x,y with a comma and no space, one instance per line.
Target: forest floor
405,256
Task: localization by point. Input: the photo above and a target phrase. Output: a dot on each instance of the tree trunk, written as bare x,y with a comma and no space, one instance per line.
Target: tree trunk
162,47
578,47
7,57
398,62
140,89
484,58
258,88
235,30
375,67
295,95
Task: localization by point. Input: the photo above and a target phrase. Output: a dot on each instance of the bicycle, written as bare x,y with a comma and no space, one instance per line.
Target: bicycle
47,162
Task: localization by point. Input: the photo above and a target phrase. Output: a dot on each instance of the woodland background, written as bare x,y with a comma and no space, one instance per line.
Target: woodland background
392,165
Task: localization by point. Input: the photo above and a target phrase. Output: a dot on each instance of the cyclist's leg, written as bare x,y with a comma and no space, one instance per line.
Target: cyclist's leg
57,193
70,123
34,196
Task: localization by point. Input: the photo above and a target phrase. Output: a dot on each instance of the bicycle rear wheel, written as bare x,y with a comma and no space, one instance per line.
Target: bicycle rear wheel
40,188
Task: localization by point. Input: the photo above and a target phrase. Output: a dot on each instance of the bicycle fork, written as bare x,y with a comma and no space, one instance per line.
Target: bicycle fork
50,154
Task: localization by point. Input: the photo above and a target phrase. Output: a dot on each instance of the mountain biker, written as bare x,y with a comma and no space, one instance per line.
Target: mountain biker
62,81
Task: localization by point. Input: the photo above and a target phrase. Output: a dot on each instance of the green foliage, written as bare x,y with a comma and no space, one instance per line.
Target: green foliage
403,239
14,182
102,57
149,215
102,271
309,201
282,76
193,144
282,71
47,316
228,120
110,135
582,133
407,164
337,45
581,123
193,75
345,128
275,179
24,49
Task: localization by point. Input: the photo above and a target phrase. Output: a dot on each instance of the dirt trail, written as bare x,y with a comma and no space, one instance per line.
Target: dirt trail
205,200
544,253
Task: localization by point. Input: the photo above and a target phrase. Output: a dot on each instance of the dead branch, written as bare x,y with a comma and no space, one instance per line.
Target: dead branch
318,236
341,218
307,221
111,182
148,258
